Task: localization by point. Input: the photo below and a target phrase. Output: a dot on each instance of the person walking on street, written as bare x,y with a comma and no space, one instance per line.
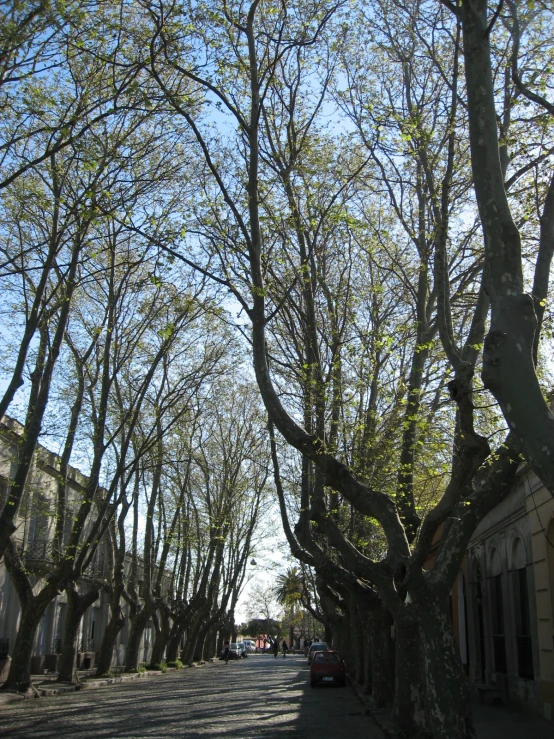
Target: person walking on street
226,652
275,648
284,648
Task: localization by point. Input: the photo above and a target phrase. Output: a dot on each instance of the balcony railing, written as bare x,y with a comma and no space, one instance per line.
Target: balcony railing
95,570
87,645
38,552
41,553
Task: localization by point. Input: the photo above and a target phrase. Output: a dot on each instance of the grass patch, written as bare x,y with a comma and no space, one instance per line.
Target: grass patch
161,667
177,664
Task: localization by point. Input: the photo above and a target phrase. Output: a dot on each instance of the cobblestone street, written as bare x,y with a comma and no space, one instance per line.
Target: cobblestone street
257,697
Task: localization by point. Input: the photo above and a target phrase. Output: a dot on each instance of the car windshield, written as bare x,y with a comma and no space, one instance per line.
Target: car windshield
318,647
326,657
234,646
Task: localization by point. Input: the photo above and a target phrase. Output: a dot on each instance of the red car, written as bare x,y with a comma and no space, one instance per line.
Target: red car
327,667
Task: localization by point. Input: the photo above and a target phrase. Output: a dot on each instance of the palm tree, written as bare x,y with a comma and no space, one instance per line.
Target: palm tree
290,587
290,590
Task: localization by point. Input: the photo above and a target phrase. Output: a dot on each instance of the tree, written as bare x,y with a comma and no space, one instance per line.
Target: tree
354,252
51,200
264,615
272,146
510,354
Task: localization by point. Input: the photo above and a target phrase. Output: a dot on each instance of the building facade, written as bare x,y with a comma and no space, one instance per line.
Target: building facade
34,539
506,600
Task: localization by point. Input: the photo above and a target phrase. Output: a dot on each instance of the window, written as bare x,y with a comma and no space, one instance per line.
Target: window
38,523
318,645
326,657
523,625
497,622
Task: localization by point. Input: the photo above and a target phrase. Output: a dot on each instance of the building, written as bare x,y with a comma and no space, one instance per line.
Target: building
34,540
506,600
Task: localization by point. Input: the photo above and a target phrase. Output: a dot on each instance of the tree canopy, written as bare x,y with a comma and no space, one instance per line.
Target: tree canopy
356,200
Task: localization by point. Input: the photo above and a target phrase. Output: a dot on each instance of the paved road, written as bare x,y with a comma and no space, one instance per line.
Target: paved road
257,698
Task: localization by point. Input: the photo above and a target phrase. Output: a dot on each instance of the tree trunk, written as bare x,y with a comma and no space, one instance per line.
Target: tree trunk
231,617
161,625
190,648
193,632
342,638
32,610
219,643
408,713
364,617
183,644
368,661
19,676
210,645
199,650
77,607
448,695
114,626
356,637
174,643
381,661
137,629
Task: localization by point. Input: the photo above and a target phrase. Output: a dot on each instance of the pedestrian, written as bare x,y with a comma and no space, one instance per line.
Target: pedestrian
275,648
226,652
284,648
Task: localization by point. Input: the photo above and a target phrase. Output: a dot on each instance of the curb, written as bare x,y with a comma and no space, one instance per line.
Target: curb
42,691
381,718
7,698
105,681
58,690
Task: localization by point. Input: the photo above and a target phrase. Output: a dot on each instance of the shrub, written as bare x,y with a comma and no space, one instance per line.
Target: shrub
162,667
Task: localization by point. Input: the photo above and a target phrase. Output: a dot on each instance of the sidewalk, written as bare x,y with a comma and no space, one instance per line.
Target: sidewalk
503,722
491,722
45,687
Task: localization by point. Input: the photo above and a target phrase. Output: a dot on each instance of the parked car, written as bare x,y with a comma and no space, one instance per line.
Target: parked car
318,646
327,667
250,645
243,651
233,653
235,650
